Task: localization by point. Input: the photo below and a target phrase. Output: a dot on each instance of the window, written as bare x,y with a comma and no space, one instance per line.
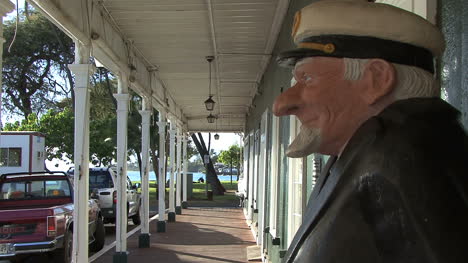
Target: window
424,8
129,184
297,192
263,171
100,179
275,166
37,189
250,194
10,157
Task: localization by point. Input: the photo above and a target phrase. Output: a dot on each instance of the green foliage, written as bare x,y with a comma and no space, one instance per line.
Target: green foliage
103,119
102,140
196,165
57,126
230,157
40,52
191,149
134,125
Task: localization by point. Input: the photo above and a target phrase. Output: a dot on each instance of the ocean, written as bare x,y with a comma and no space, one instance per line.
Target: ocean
135,176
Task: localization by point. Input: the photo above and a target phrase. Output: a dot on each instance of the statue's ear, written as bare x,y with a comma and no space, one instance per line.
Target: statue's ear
378,80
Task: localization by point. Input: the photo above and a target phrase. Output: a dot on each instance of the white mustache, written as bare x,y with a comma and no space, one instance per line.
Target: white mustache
305,143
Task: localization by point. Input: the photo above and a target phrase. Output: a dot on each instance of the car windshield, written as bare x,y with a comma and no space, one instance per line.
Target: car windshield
35,189
100,179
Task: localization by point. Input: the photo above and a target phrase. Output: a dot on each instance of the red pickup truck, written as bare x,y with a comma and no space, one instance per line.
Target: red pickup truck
36,216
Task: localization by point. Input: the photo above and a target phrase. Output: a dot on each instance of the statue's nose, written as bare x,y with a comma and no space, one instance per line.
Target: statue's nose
287,102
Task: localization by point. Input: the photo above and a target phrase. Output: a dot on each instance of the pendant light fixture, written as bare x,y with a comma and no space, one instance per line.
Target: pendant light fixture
211,118
209,103
216,136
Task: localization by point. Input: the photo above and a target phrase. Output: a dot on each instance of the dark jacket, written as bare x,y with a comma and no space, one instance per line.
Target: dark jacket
398,193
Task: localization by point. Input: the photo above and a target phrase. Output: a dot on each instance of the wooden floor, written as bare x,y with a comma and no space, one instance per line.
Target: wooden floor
198,235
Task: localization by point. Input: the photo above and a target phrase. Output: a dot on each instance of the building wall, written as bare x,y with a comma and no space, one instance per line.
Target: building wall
16,141
276,79
38,153
453,20
32,146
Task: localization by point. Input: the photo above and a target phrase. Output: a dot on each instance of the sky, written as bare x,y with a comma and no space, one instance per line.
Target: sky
225,140
13,14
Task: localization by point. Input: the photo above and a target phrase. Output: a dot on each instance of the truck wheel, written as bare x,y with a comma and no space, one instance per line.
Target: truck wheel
99,236
64,255
137,217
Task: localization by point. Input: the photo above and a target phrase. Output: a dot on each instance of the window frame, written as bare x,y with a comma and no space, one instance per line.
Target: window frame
426,9
8,151
274,176
297,175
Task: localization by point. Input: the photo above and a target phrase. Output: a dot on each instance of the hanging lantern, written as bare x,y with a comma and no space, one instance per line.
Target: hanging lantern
211,118
209,103
216,136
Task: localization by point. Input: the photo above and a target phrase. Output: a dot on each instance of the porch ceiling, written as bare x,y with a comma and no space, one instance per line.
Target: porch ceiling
177,35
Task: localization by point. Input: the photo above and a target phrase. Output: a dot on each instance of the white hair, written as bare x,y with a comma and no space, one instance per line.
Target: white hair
411,82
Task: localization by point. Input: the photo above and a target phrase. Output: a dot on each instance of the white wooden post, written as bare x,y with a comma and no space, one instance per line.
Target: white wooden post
5,7
184,147
82,70
144,239
172,133
121,221
179,173
162,124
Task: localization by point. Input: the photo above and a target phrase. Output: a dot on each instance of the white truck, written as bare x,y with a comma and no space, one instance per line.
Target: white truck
102,182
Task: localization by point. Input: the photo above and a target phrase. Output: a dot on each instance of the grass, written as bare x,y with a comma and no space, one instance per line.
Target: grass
199,192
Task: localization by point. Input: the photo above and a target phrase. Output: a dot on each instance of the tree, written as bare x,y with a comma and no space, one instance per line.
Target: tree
57,126
231,158
103,118
40,53
211,176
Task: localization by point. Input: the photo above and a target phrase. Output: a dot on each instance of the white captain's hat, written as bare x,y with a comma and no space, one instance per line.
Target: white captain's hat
363,29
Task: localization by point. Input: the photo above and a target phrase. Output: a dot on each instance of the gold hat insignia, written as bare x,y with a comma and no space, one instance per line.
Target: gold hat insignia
297,22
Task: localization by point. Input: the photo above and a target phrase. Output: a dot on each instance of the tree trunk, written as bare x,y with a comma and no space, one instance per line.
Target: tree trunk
231,170
155,162
138,154
211,177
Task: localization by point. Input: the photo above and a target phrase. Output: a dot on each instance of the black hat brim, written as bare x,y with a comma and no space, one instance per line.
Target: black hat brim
361,48
289,58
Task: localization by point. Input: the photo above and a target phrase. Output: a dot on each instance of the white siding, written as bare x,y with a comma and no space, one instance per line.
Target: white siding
16,141
38,153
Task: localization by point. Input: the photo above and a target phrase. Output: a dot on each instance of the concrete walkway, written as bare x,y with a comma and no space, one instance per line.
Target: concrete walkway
199,235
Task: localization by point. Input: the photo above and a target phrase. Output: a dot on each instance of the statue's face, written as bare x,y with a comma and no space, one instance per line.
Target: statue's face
326,104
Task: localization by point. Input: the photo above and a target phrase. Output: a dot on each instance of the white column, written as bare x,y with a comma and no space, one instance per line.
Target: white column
172,166
184,147
179,173
162,124
145,141
82,71
5,7
122,118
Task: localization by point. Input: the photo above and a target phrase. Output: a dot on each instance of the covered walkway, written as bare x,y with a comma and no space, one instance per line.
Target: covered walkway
199,235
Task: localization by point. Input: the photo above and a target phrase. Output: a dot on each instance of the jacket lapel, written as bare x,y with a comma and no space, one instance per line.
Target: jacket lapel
327,185
322,178
316,204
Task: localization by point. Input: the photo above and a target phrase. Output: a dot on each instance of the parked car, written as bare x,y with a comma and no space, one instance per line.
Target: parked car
102,182
227,171
36,216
